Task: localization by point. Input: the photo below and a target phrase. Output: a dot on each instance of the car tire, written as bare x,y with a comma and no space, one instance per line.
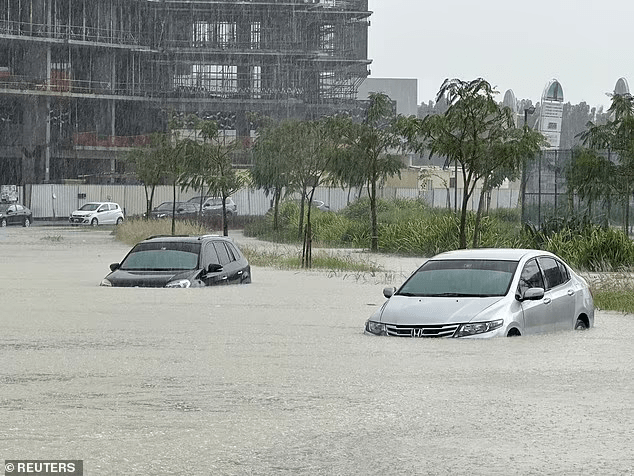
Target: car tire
3,222
94,222
581,325
27,222
119,221
513,333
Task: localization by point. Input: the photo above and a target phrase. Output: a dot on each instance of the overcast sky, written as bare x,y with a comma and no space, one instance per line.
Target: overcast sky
520,45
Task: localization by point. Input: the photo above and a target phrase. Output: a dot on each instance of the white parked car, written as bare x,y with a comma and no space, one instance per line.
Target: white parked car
486,293
97,213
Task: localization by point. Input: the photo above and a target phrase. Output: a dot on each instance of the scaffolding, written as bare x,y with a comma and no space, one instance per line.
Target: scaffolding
116,67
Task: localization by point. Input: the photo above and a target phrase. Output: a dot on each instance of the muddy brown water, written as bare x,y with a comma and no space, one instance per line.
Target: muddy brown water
276,377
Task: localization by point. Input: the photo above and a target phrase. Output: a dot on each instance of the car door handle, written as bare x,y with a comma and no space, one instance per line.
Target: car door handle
571,292
239,273
547,300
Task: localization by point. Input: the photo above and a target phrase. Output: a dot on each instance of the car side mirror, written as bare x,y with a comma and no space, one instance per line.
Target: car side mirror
389,292
114,266
532,294
214,268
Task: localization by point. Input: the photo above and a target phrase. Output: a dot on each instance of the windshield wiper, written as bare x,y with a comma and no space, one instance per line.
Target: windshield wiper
454,295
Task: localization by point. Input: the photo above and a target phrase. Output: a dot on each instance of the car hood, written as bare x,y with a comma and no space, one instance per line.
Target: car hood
146,279
407,310
81,213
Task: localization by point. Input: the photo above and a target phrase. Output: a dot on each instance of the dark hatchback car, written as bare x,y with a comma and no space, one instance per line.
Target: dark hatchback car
15,214
181,262
184,210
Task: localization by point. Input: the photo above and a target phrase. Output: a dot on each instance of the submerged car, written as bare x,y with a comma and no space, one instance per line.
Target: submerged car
486,293
97,213
15,214
180,262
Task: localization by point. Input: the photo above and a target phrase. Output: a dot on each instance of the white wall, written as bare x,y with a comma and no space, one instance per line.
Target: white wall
249,201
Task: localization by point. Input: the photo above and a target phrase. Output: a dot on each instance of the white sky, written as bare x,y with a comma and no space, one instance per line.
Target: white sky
514,44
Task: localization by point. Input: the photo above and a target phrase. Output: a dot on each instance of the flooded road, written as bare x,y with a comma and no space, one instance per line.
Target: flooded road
276,377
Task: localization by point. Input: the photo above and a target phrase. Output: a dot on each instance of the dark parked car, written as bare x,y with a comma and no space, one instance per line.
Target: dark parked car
181,262
184,210
212,206
15,214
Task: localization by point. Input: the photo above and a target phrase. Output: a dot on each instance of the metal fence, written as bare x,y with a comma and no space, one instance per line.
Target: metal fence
54,201
547,196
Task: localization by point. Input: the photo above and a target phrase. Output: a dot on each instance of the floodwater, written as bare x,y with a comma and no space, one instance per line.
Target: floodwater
277,378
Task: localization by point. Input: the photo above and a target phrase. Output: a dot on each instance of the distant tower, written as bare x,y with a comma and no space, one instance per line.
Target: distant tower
551,112
621,87
511,102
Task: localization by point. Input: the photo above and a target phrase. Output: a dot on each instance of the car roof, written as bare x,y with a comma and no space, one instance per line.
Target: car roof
186,238
494,254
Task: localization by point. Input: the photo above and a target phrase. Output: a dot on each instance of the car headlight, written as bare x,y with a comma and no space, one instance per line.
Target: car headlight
474,328
181,283
105,282
376,328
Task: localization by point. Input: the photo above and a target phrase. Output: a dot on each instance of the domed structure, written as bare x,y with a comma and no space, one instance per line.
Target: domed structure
553,91
621,87
551,113
510,101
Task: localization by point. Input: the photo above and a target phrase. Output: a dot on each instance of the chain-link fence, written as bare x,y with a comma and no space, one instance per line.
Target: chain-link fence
546,195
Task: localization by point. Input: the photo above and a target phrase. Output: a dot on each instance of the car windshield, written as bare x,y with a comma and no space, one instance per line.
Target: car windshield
461,278
90,207
162,256
166,206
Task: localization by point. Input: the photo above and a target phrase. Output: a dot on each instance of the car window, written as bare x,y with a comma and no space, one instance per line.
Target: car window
531,277
12,208
233,253
103,208
565,275
162,256
454,278
552,275
223,255
211,257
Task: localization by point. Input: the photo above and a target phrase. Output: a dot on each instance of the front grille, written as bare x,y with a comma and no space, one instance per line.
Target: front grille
439,330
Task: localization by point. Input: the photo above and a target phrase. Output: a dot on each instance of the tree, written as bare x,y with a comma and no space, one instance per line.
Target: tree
273,153
147,168
210,167
317,144
172,152
366,154
617,136
477,135
591,176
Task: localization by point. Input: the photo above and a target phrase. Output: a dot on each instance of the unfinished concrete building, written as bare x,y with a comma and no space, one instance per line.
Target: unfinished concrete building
82,81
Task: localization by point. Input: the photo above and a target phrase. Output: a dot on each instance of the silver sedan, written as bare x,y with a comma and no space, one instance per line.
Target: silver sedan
486,293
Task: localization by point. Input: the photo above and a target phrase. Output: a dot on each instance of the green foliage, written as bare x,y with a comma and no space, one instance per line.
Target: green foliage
596,248
621,300
133,230
412,228
477,135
